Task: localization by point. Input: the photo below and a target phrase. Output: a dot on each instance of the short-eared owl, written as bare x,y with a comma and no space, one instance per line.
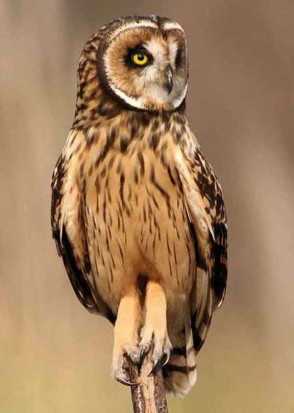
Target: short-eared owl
137,212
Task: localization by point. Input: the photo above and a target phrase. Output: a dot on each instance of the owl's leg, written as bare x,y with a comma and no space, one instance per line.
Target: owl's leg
154,332
126,335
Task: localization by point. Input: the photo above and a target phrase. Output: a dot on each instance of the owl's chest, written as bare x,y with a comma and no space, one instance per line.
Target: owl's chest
127,179
135,210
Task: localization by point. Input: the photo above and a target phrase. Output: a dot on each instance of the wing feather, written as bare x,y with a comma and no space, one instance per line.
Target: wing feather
69,232
206,212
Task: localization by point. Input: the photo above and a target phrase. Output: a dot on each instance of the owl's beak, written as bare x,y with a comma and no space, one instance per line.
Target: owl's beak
168,84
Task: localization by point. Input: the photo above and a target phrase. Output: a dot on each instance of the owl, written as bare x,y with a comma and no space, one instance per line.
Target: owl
137,212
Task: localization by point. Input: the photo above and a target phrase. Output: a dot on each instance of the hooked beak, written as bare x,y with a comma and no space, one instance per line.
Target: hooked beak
168,84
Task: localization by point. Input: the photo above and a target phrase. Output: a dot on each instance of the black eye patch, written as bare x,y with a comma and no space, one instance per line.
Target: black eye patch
179,58
137,50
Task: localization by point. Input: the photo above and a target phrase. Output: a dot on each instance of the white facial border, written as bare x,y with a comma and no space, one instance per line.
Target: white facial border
132,25
172,26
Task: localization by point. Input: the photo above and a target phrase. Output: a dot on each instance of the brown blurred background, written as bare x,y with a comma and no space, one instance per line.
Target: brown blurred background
55,357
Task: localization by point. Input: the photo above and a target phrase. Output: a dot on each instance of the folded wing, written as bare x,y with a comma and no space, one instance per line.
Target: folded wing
206,211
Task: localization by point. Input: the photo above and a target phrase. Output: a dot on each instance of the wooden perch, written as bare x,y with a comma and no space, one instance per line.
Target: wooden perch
149,396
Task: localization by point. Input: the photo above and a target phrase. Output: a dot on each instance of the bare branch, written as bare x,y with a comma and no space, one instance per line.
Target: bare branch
149,396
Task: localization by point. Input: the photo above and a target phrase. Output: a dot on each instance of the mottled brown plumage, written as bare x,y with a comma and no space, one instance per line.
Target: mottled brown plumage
137,212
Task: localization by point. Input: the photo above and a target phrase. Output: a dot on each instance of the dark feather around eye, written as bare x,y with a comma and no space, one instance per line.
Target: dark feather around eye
179,57
138,49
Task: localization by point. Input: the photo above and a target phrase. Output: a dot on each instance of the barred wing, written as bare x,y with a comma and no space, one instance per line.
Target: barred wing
206,211
69,230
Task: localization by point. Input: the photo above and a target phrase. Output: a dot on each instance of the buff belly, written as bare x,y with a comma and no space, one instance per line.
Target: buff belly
138,227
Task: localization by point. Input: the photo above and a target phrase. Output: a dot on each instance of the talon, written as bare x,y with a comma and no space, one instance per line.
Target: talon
159,362
142,357
122,376
156,367
126,383
165,359
120,371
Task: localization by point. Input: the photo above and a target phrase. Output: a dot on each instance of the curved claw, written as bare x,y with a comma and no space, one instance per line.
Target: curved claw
157,366
142,357
165,359
120,372
125,382
159,363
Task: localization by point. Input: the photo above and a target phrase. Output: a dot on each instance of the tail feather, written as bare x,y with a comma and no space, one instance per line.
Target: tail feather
179,377
180,373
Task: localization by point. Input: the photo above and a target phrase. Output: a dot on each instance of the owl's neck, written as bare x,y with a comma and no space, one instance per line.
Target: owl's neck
127,132
95,107
129,124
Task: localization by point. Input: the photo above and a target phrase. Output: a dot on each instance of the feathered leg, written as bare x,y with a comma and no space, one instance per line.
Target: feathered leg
154,331
126,335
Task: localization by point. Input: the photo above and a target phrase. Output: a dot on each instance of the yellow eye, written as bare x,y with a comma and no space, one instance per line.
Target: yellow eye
140,59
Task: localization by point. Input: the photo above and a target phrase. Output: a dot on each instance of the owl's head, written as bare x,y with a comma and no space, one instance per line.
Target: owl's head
142,62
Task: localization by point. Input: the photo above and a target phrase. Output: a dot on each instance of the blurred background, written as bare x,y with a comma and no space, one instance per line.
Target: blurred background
55,357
